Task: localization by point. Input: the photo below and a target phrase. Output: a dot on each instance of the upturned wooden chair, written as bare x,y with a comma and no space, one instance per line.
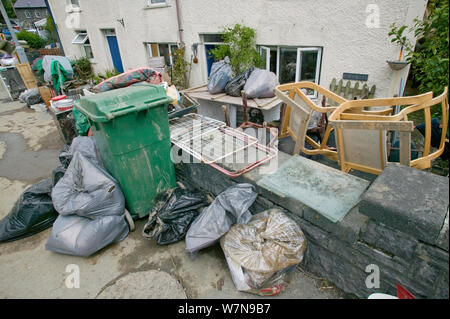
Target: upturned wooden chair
297,115
361,135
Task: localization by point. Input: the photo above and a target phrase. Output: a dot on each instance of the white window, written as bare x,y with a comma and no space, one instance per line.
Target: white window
293,64
83,40
37,13
28,14
152,2
166,50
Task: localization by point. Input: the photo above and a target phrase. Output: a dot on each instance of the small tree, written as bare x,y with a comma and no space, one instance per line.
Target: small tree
50,28
430,60
240,46
180,68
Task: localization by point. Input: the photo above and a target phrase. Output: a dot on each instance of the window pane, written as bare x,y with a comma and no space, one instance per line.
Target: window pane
157,1
264,58
273,61
309,66
75,3
288,65
164,51
213,38
88,51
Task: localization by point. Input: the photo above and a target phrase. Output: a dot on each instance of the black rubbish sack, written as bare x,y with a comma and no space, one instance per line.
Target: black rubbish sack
172,215
236,85
32,213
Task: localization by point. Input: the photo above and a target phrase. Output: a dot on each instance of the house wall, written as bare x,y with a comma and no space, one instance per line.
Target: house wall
28,23
339,27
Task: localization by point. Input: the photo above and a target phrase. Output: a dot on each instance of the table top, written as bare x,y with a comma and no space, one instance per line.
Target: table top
203,94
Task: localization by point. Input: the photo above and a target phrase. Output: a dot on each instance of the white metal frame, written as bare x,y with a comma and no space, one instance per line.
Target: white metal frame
169,44
80,38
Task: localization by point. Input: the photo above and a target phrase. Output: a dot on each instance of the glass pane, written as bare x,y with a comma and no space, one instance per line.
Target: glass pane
288,65
88,51
157,1
173,48
309,65
81,38
264,58
214,38
164,51
273,61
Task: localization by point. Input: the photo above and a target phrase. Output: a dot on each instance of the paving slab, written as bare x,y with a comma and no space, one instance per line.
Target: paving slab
330,192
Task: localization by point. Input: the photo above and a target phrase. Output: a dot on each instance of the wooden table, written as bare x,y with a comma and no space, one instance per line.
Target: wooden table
211,104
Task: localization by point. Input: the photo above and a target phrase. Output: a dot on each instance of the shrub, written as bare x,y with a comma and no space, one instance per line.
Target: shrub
33,40
240,46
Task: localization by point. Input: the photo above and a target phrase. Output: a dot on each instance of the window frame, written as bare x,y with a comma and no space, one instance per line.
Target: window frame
157,4
84,37
169,46
37,14
28,14
300,49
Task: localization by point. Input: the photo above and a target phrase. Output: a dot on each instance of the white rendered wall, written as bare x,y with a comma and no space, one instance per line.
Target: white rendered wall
339,27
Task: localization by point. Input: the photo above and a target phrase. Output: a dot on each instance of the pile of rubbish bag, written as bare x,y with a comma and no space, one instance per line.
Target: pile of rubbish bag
31,96
255,82
91,209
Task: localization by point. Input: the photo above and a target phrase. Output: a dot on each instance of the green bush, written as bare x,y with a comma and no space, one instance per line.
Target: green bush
240,46
33,40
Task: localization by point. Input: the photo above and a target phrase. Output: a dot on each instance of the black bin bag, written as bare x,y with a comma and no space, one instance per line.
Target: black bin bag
236,85
32,213
172,215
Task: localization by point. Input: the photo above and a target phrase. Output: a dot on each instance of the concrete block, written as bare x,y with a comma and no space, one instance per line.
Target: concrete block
410,200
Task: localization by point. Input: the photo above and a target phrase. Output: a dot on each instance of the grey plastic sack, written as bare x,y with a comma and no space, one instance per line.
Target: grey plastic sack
83,144
261,84
220,76
91,207
87,190
80,236
230,207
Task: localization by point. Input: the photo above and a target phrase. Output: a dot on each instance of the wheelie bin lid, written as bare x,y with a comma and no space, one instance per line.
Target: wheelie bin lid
106,106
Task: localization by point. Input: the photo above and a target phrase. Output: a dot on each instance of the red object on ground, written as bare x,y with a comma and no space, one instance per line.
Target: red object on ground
402,293
58,98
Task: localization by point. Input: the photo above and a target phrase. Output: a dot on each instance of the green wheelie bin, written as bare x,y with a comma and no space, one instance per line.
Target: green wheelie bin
131,130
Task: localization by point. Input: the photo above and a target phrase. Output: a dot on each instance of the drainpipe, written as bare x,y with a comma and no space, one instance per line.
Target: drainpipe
54,26
180,28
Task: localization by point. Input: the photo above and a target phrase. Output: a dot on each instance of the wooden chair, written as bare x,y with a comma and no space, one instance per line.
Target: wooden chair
361,135
298,113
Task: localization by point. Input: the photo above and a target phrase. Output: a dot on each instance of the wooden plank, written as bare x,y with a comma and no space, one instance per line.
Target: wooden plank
46,94
405,148
27,75
373,125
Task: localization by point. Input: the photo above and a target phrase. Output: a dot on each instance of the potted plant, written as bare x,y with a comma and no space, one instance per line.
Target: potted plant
397,36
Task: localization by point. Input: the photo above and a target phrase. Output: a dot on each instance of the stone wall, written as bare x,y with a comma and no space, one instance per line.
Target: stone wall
409,250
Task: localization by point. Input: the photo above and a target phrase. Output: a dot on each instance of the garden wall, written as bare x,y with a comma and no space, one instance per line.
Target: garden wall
400,225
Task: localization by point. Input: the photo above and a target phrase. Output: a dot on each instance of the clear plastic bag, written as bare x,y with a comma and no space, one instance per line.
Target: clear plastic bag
261,84
220,76
228,208
261,253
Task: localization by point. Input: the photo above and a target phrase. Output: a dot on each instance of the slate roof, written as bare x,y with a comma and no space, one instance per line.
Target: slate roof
23,4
